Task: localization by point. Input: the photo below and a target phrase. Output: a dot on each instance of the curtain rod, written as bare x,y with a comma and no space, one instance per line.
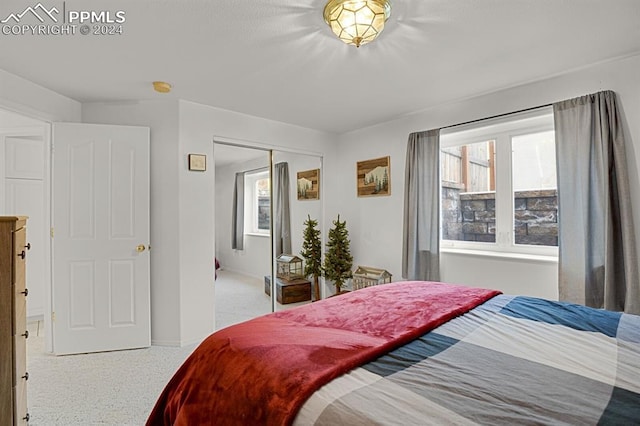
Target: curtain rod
496,116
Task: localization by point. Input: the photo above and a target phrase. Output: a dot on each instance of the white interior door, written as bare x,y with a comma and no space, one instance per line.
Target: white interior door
100,244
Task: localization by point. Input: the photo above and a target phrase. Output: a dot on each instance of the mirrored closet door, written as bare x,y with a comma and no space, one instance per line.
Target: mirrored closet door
264,200
242,233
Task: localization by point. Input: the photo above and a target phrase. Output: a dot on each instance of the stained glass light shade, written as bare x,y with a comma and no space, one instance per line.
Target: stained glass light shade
357,22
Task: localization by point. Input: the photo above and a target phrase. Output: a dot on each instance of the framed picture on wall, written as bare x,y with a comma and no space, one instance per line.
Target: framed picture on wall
309,185
198,162
374,177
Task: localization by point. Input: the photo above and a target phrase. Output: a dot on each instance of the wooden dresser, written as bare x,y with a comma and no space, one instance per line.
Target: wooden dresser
13,321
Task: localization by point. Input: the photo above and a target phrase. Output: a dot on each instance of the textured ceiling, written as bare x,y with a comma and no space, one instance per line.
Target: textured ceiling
278,60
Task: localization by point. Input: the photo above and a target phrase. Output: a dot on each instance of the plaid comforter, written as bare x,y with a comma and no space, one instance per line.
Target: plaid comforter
511,360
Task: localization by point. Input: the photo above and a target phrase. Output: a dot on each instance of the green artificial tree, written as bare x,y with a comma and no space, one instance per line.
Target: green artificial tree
338,260
312,254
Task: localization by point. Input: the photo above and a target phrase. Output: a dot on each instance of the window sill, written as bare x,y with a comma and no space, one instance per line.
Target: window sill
502,255
256,234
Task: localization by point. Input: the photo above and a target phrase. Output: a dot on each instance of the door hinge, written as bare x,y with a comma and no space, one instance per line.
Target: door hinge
51,232
53,317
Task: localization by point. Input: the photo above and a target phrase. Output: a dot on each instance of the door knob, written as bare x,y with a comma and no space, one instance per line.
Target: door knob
140,248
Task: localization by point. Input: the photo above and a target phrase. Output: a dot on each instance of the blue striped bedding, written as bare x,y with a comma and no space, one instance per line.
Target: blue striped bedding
511,360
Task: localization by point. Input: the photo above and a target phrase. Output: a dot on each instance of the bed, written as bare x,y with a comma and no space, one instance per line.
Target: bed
414,353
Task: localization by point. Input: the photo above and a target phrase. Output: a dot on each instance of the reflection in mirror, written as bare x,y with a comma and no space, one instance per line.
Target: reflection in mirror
296,197
242,233
250,203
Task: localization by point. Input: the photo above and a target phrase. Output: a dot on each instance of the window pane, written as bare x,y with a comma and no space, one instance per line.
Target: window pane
535,194
262,187
264,204
468,192
264,213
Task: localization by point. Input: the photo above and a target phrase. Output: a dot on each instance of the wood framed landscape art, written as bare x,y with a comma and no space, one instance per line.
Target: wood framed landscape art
374,177
309,185
198,162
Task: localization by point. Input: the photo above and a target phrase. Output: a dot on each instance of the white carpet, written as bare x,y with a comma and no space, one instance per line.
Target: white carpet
239,298
120,388
108,388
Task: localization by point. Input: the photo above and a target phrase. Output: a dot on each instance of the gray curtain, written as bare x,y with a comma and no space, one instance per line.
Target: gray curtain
598,266
237,216
421,230
282,220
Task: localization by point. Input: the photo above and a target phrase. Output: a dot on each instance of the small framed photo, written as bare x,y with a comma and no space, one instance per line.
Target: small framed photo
198,162
374,177
309,185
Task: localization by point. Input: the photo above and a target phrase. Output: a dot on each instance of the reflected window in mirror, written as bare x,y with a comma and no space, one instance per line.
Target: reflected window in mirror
257,203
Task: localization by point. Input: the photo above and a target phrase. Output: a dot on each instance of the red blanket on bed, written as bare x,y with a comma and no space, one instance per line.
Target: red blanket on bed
262,371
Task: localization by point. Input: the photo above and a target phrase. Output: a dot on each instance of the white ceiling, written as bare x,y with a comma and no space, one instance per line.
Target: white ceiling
278,60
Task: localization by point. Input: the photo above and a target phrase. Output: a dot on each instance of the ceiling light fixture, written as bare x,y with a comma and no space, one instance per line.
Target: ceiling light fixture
357,22
161,86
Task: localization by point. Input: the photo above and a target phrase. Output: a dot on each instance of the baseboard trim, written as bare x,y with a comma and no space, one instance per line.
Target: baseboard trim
174,343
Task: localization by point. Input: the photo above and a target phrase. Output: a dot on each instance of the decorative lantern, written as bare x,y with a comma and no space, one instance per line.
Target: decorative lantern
365,276
289,267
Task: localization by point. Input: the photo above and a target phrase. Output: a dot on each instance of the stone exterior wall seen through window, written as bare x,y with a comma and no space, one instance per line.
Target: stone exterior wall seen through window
471,216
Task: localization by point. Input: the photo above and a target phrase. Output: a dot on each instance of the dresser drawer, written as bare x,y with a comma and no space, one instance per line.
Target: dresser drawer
20,262
20,403
20,311
20,351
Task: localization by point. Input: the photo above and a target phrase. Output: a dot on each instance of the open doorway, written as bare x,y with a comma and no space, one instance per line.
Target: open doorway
24,190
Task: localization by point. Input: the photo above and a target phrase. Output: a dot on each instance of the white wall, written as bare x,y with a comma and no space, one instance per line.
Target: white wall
375,224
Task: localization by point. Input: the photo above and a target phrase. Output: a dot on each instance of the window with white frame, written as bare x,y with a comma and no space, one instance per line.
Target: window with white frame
257,203
498,185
